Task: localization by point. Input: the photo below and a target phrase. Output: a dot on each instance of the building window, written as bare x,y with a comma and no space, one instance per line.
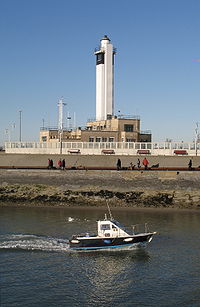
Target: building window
91,139
130,140
111,139
128,128
100,58
98,139
104,140
44,138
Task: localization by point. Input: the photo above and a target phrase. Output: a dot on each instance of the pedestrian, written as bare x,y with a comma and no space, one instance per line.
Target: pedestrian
190,165
132,166
119,164
138,163
145,162
63,164
49,163
59,163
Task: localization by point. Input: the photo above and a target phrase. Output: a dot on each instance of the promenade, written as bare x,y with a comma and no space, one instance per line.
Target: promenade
95,161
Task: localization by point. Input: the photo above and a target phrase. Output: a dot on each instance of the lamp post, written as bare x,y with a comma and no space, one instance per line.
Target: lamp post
61,104
20,125
7,133
196,136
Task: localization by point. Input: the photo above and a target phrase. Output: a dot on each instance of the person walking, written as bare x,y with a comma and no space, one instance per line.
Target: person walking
190,165
119,164
59,163
138,163
132,166
63,164
49,164
145,162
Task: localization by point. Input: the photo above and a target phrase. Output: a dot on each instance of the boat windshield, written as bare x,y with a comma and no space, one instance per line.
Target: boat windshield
120,226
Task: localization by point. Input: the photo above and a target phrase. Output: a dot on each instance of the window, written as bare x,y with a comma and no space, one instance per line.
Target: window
44,138
105,227
130,140
104,140
128,128
91,139
111,139
100,58
98,139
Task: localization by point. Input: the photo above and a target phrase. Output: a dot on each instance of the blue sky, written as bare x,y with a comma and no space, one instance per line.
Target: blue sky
46,51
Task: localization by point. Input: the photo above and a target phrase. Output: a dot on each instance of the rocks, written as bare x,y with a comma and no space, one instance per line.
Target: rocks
34,194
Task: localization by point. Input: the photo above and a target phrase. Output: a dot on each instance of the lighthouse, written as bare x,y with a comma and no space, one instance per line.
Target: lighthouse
105,80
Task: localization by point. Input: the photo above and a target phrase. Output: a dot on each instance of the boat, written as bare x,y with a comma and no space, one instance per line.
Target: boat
111,235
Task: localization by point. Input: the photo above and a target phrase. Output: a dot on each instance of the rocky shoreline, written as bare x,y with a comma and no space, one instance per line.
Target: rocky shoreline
94,188
40,195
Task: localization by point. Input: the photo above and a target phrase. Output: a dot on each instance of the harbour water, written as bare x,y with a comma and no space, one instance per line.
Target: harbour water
38,269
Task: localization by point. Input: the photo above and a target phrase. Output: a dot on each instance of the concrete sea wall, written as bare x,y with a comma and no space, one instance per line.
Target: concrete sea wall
41,160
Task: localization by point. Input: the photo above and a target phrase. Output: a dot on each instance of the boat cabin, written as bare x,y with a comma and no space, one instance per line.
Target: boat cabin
111,229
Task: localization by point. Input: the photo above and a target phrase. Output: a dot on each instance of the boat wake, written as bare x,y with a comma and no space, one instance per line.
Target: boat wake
31,242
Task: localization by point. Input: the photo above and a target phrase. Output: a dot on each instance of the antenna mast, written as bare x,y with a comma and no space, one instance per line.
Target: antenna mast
111,217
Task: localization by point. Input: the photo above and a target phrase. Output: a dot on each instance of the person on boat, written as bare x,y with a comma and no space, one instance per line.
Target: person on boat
145,162
119,164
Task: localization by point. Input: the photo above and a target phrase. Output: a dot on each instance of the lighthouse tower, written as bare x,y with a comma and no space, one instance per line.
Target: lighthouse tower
60,114
104,80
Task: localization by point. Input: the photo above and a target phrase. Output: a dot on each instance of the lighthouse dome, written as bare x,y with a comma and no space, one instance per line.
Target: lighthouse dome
105,38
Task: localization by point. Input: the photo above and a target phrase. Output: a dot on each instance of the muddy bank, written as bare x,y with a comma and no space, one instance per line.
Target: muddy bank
93,188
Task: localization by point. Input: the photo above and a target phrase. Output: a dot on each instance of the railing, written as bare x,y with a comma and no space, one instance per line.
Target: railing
53,129
124,116
120,148
119,116
145,132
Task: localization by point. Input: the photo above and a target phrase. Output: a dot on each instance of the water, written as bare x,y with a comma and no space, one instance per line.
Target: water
38,269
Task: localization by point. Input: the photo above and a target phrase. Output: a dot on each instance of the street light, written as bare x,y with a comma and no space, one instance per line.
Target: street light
20,125
196,136
7,133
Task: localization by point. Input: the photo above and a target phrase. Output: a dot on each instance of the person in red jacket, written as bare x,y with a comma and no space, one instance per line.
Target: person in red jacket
59,163
145,162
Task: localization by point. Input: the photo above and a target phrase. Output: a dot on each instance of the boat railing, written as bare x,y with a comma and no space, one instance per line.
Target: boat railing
81,235
138,228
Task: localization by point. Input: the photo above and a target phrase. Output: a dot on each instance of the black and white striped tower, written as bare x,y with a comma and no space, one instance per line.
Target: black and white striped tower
104,80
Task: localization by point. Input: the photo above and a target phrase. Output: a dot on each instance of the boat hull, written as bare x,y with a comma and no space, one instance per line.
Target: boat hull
109,243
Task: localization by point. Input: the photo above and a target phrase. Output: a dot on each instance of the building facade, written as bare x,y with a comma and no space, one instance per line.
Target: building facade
110,130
